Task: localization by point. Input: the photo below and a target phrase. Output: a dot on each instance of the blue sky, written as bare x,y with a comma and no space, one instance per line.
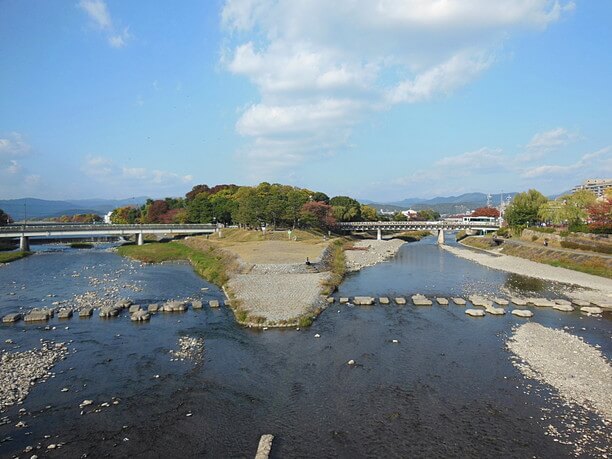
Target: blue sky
379,100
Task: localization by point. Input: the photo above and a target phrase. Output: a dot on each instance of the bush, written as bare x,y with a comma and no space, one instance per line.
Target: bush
592,248
578,228
503,232
534,238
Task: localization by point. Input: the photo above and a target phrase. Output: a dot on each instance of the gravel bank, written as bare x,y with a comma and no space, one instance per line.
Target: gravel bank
601,285
20,370
376,252
580,373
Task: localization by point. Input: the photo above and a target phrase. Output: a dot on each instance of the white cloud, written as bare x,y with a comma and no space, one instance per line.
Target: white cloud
597,164
482,160
13,145
322,66
546,142
98,13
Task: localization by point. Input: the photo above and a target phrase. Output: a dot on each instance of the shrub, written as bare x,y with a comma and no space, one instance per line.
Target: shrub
534,238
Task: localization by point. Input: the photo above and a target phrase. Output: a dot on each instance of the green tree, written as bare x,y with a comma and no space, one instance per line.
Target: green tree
5,218
296,198
369,214
524,208
126,215
399,217
199,209
346,209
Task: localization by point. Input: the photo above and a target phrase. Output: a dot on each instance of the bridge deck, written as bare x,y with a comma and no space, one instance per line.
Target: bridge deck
13,231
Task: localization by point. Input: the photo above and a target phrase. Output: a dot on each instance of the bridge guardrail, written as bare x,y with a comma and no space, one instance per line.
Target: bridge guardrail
30,228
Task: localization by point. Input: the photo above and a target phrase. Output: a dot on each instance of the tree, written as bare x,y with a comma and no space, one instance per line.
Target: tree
321,197
486,212
552,211
369,214
600,216
523,210
155,210
5,218
126,215
346,209
577,204
199,209
427,215
296,198
399,217
317,214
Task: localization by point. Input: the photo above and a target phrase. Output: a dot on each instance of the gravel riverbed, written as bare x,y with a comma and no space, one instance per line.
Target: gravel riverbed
370,252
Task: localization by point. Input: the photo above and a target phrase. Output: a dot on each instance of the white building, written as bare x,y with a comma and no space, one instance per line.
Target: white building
597,186
107,217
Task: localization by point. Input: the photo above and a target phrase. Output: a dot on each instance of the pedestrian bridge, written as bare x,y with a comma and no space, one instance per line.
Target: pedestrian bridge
24,232
439,226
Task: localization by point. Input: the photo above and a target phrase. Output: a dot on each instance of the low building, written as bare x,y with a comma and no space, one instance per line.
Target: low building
597,186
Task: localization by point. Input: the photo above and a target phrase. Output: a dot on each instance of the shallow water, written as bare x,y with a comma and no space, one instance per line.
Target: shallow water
447,388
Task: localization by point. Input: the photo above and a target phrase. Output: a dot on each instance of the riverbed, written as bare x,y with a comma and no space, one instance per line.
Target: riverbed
426,381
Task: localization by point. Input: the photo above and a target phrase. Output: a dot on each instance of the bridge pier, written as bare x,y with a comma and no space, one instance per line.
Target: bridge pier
24,244
140,239
378,234
441,236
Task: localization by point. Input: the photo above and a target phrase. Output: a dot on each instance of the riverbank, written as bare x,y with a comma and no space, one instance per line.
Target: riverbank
7,257
600,288
370,252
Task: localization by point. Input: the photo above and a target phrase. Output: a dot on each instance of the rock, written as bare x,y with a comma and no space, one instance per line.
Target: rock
562,302
501,301
174,306
52,446
518,301
459,301
64,314
384,300
86,312
153,308
330,299
214,303
133,308
344,300
140,316
603,304
11,318
421,300
541,302
122,304
108,311
400,300
197,304
442,301
591,310
563,307
475,312
394,341
37,315
264,447
581,303
495,311
317,335
481,301
363,301
351,362
522,313
85,403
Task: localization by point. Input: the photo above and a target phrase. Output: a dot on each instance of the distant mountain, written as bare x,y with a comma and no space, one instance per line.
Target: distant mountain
42,208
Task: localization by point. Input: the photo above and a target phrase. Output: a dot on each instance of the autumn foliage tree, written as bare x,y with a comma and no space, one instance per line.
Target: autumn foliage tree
600,216
317,214
486,212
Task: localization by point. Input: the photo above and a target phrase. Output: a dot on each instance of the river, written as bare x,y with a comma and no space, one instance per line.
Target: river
447,387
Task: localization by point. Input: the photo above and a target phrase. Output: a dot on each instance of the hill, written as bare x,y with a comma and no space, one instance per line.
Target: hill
42,208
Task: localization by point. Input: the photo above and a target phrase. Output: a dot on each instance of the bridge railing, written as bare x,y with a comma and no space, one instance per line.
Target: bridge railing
436,223
104,227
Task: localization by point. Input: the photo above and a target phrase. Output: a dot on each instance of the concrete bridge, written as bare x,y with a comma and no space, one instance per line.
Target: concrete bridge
439,226
25,232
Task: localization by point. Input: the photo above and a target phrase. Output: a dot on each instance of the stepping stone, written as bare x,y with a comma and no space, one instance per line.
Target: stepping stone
518,301
495,311
330,299
562,302
108,311
563,307
133,308
86,312
475,312
541,302
11,318
581,303
174,306
522,313
501,301
64,314
214,303
363,301
442,301
344,300
140,316
459,301
400,300
264,447
153,308
384,300
481,301
37,315
591,310
603,304
197,304
122,304
421,300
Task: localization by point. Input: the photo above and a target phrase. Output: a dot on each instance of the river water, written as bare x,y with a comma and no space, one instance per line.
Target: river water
447,388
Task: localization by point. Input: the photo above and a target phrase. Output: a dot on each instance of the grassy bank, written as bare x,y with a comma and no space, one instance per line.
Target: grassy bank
412,236
7,257
485,243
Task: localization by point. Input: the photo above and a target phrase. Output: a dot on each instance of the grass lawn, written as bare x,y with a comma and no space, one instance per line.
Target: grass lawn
6,257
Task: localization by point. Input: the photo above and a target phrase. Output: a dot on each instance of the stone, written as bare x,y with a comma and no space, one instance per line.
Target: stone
214,303
264,447
522,313
591,310
480,301
133,308
495,311
421,300
459,301
442,301
11,318
64,314
563,307
563,302
581,303
140,316
501,301
351,362
174,306
108,311
541,302
85,403
37,315
363,301
197,304
317,335
518,301
86,312
153,308
384,300
344,300
330,299
122,304
475,312
400,300
603,304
